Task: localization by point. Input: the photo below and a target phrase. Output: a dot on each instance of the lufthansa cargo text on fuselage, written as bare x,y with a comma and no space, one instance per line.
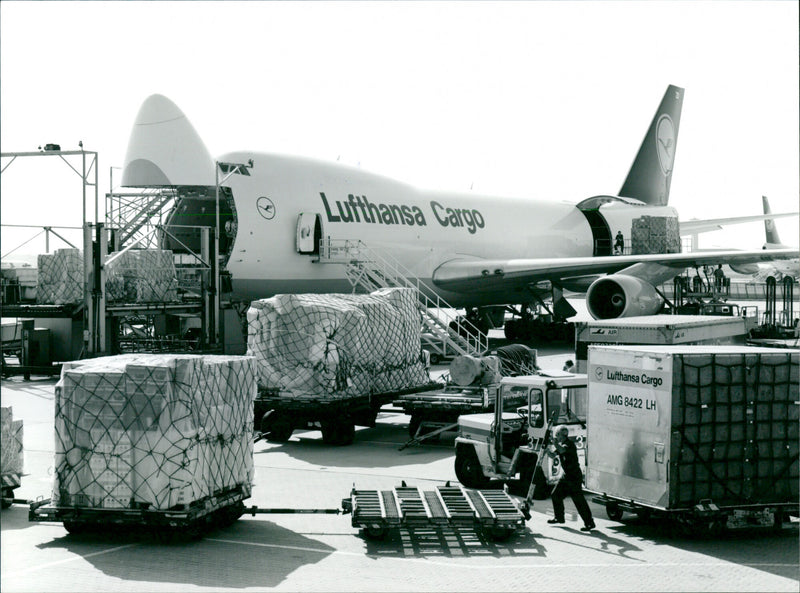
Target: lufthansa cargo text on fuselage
359,209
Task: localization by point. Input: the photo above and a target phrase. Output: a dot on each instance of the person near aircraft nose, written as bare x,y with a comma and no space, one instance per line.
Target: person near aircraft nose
571,481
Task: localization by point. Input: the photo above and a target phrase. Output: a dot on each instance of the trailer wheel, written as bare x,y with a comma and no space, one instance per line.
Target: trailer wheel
376,532
280,430
76,527
468,469
613,511
338,432
8,497
500,534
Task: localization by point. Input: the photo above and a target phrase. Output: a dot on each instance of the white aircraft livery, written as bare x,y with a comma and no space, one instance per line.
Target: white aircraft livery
477,251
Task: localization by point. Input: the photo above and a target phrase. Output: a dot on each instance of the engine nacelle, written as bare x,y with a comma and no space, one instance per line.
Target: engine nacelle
619,295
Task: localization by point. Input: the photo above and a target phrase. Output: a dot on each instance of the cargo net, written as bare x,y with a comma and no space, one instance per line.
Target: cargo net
11,455
655,234
738,422
135,276
60,278
153,431
337,345
142,276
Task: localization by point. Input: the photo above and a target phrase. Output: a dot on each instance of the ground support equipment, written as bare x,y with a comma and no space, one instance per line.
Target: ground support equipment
11,481
705,516
377,511
277,417
189,521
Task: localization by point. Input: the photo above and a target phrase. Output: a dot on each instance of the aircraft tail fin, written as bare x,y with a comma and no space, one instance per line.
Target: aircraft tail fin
651,173
769,225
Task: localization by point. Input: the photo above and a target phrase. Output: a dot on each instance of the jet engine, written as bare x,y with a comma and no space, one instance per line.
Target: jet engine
619,295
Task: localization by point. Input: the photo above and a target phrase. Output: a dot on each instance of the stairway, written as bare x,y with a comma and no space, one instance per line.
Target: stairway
370,271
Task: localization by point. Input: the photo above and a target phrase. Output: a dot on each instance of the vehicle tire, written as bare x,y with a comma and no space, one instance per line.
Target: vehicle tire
613,511
468,469
279,430
76,527
376,532
8,496
500,534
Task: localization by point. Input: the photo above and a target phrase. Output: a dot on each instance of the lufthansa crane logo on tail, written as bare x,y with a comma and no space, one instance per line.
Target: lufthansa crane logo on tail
665,143
266,208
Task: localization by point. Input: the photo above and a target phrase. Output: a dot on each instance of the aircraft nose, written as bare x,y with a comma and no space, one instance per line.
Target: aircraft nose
164,149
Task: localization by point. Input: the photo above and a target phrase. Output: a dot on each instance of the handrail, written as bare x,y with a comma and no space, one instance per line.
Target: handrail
386,270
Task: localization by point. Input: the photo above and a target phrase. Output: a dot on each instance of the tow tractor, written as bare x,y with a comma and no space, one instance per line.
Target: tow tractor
507,443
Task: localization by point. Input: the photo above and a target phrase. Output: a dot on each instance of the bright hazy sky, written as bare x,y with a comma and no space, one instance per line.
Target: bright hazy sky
542,99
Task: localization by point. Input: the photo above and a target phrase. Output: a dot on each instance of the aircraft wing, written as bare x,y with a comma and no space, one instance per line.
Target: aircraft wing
478,275
693,227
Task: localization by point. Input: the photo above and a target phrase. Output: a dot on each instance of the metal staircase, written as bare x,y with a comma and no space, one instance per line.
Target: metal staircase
443,332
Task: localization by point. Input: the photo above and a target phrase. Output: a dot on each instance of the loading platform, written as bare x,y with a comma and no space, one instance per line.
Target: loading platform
377,511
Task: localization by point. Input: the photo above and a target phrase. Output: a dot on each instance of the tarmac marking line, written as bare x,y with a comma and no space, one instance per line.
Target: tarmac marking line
65,560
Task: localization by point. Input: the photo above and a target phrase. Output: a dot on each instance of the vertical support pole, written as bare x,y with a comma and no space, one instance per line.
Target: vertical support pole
215,288
100,286
205,254
88,309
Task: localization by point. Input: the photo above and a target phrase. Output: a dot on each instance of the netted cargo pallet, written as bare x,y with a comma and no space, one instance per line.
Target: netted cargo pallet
337,345
11,455
60,278
378,511
142,276
152,432
188,521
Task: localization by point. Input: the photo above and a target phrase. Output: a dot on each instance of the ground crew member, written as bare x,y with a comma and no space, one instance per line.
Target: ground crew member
619,243
571,482
719,277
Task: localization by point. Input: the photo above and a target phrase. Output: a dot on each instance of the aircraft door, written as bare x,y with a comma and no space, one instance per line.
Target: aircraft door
309,233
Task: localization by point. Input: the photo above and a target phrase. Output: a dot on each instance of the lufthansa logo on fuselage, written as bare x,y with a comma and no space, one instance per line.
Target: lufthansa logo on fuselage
265,207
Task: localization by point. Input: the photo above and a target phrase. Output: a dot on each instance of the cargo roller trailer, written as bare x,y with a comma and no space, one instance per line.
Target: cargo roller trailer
706,437
492,512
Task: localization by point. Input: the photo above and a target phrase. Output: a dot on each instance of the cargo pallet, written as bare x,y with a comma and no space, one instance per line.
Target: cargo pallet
190,521
377,511
277,417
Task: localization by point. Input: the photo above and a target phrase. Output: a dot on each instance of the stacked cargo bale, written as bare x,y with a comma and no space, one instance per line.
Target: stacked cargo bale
142,276
11,455
335,345
60,278
655,234
153,431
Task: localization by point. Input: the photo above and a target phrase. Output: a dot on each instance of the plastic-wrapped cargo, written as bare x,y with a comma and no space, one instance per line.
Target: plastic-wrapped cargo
149,431
142,276
655,234
60,277
671,426
11,454
337,345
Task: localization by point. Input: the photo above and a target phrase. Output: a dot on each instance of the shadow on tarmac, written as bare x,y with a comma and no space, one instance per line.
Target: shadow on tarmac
15,517
258,554
766,549
451,542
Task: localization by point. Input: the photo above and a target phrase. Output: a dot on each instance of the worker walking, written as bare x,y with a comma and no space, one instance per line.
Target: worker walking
571,482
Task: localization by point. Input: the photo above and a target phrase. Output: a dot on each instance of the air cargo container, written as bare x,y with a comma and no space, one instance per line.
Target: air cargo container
11,455
658,330
704,435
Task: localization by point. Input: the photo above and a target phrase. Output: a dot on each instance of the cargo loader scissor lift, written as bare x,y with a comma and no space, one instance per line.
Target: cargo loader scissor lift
378,511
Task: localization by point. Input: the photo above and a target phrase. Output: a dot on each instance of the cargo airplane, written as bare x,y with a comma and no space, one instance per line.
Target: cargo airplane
787,267
482,252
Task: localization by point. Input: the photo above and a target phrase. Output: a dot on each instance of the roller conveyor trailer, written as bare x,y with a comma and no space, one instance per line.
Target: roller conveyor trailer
277,416
493,512
189,521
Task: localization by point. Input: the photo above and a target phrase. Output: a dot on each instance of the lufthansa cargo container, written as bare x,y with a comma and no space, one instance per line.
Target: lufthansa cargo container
696,432
661,330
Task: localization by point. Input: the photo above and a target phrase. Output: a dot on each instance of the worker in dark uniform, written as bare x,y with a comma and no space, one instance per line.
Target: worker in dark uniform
619,243
719,278
571,482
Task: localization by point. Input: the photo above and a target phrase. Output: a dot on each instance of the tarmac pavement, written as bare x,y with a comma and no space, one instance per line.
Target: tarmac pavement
323,552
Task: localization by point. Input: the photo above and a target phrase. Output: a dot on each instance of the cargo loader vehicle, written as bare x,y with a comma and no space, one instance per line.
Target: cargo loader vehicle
702,437
471,388
508,443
